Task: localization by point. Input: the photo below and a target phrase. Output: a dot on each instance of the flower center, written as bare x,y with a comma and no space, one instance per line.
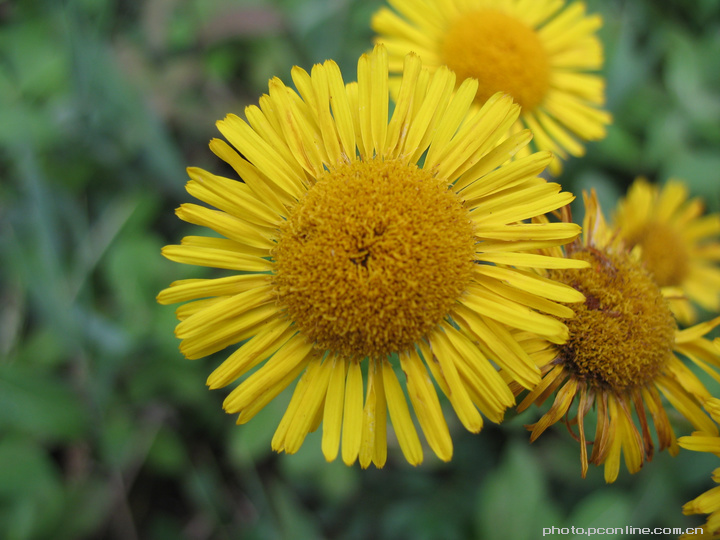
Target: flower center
664,254
502,53
372,257
624,333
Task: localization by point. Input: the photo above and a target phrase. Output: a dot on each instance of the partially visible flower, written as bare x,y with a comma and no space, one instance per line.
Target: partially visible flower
680,246
360,245
542,52
619,356
708,502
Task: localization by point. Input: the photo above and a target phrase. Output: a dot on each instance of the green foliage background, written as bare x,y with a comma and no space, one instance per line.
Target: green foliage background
106,432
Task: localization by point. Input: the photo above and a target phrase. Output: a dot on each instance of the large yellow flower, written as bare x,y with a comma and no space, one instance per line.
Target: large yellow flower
620,355
680,246
352,259
541,52
708,502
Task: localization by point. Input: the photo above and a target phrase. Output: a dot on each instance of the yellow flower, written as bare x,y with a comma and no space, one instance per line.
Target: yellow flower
680,246
620,355
351,259
708,502
541,52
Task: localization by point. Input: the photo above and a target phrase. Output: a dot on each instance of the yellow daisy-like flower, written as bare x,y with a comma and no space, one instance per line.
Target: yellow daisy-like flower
541,52
680,246
351,258
708,502
620,355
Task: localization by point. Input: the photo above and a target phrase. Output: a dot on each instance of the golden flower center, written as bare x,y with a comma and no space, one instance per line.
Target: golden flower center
372,257
664,253
502,53
624,333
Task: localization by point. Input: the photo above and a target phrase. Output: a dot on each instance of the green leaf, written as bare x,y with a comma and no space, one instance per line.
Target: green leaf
513,502
250,443
338,481
86,507
606,190
700,169
609,509
667,133
44,408
42,349
39,65
31,486
134,265
167,454
293,520
120,439
685,78
31,473
622,147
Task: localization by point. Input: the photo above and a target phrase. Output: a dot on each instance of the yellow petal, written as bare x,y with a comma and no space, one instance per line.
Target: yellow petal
191,308
265,343
231,196
192,289
507,176
493,306
513,205
261,154
310,403
255,183
701,442
400,417
373,421
427,406
532,283
502,153
266,121
334,406
379,98
301,136
631,442
364,106
401,119
258,404
502,346
447,356
685,405
217,337
531,260
352,418
328,132
528,299
612,461
292,357
487,389
341,110
375,378
227,257
231,308
229,226
476,136
278,440
563,400
428,122
696,332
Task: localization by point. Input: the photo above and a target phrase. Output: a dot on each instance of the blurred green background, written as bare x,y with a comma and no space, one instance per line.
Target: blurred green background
106,432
